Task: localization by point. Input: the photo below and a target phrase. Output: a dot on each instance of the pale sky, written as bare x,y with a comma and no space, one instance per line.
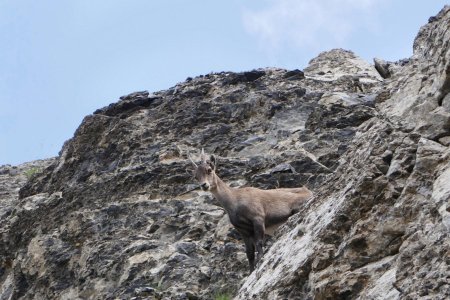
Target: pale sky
61,60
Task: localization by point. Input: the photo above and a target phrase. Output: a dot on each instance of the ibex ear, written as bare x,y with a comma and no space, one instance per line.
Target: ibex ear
213,161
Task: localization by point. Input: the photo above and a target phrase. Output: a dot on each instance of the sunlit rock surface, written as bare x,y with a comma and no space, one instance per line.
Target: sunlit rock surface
378,227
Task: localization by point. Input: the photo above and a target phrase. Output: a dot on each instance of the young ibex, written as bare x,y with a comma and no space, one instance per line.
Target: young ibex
252,211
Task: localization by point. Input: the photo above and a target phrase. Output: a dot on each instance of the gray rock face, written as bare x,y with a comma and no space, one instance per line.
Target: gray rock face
378,227
418,90
117,215
12,178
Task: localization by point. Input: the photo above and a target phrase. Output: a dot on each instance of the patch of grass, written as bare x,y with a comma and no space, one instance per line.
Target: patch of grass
222,296
32,171
158,284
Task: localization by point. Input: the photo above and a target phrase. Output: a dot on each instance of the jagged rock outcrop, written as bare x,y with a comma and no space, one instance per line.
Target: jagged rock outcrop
379,226
418,91
12,178
116,215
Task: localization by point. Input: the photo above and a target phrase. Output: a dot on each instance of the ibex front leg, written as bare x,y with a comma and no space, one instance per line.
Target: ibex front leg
250,251
259,231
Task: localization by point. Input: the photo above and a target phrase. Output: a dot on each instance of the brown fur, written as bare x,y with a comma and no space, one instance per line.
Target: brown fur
253,212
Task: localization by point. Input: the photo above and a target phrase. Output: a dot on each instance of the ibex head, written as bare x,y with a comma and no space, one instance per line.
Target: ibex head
205,171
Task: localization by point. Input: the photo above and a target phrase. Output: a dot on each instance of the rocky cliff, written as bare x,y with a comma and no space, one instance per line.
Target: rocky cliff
117,214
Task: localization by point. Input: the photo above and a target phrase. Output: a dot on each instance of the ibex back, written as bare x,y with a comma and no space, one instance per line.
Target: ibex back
252,211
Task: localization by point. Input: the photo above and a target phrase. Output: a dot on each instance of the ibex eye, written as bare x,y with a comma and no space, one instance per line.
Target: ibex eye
209,171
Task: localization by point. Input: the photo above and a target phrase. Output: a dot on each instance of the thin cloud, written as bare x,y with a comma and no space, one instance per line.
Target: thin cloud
310,24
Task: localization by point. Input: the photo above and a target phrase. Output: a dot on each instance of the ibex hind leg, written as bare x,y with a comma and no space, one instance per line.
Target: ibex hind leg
250,251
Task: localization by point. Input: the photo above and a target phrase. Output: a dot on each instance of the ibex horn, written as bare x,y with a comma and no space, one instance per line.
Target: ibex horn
203,156
190,158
